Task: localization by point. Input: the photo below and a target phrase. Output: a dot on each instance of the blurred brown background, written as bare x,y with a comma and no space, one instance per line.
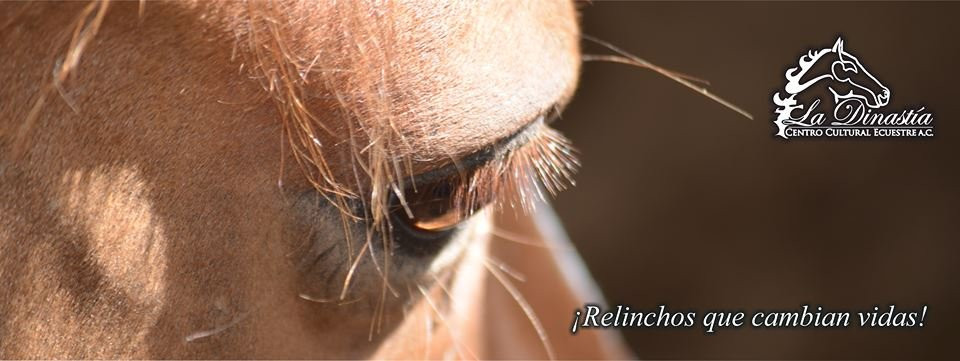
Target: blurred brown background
683,202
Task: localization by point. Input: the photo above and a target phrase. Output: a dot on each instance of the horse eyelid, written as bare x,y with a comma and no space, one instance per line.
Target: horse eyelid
476,160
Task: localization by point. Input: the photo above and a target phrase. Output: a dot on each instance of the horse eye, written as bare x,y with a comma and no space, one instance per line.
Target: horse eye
429,218
849,66
841,70
431,208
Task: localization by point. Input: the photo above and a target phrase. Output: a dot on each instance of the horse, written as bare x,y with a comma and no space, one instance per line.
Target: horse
841,72
286,179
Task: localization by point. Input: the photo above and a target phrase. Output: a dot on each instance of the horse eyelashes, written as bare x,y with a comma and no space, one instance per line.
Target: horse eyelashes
517,179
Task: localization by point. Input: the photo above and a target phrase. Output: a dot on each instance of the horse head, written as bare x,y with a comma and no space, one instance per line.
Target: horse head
846,75
847,71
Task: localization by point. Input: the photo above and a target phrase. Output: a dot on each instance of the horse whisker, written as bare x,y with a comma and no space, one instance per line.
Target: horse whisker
500,233
353,268
525,306
454,334
637,61
207,333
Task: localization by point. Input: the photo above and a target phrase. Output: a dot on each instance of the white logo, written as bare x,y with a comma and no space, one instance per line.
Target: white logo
858,99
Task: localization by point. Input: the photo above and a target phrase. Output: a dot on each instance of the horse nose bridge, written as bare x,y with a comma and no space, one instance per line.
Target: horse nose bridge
873,87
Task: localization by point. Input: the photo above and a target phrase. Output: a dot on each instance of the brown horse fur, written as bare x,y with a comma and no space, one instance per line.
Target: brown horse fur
212,179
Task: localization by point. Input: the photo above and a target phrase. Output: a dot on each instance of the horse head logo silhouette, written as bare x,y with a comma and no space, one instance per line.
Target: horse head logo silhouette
859,101
840,72
846,76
